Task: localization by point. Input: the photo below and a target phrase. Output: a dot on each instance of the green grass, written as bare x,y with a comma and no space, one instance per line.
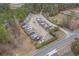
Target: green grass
75,47
40,45
4,35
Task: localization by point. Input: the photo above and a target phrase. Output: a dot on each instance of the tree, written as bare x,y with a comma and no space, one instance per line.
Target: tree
75,47
68,18
53,30
4,35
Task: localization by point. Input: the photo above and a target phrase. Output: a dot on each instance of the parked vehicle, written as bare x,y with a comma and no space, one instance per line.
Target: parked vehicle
36,37
31,32
43,23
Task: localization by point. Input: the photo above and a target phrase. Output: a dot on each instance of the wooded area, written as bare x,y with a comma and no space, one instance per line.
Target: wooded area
7,14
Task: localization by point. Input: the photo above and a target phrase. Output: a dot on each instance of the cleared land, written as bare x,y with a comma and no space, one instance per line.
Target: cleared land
26,47
59,19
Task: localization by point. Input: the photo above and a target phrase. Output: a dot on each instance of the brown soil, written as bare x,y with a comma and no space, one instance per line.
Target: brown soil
21,45
59,17
59,34
26,47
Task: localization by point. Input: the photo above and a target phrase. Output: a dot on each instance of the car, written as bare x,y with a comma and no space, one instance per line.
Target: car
35,36
32,33
38,18
38,38
29,28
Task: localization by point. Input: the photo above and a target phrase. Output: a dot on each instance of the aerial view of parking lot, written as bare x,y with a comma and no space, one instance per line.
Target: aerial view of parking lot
39,29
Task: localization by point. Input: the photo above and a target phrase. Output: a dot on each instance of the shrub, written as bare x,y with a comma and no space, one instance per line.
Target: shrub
4,35
75,47
51,31
44,43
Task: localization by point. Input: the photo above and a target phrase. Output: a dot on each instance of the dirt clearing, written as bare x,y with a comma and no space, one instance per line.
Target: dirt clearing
26,47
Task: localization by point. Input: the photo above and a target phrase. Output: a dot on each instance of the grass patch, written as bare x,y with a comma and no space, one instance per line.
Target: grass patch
40,45
4,35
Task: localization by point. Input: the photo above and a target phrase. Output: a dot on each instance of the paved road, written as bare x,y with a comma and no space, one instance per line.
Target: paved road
58,44
67,40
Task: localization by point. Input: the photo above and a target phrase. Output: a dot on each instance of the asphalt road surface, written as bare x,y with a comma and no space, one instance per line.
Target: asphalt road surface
65,41
69,38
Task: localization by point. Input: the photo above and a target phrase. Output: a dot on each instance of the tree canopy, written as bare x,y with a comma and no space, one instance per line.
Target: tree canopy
4,35
75,47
